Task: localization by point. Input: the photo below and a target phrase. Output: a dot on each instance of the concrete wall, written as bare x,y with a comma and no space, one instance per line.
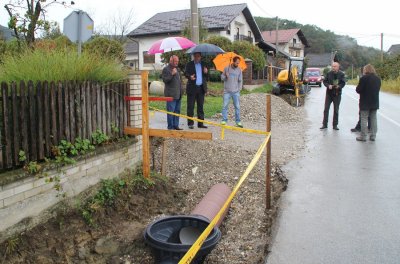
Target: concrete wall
26,202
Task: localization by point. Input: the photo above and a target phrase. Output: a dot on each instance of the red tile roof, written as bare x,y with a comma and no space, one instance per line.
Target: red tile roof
284,36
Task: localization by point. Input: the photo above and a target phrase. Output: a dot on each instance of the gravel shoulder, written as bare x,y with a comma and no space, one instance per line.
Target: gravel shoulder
197,165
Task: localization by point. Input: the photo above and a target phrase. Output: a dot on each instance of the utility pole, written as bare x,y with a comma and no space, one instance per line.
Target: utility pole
381,47
195,21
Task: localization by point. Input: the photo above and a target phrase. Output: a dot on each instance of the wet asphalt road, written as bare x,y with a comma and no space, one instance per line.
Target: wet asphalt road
343,200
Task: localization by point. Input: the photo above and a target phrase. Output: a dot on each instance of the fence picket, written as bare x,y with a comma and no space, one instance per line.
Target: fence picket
88,110
83,110
32,121
103,108
72,98
78,114
40,138
15,124
47,115
98,112
94,106
53,113
67,124
60,112
24,120
6,134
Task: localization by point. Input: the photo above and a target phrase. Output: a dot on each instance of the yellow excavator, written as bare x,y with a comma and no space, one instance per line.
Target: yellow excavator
291,80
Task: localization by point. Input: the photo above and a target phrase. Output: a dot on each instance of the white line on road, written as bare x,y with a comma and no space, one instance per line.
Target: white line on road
379,112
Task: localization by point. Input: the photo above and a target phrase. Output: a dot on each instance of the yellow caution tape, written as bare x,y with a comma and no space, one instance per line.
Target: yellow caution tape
245,130
222,133
188,257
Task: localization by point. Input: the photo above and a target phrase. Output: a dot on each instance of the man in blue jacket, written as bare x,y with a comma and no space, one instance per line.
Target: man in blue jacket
196,88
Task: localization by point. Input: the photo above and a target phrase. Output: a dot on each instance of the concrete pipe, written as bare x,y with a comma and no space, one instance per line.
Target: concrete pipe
212,202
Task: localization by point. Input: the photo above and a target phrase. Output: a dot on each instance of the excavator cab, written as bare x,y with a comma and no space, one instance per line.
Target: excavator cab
291,79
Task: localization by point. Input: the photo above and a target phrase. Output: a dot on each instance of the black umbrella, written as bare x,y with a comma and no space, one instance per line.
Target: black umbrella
206,49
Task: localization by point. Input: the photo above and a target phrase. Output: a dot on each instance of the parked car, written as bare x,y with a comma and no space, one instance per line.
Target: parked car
313,76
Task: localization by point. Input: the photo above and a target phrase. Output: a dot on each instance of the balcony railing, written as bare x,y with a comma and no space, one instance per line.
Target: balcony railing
243,37
295,46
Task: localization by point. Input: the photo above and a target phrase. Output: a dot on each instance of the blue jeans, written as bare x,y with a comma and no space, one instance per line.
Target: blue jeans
236,104
174,107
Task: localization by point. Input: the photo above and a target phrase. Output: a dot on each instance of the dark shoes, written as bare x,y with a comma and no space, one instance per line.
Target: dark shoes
355,129
178,128
190,126
323,127
372,138
335,128
202,126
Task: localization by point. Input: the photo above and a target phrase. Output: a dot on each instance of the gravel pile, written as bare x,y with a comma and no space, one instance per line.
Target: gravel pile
197,165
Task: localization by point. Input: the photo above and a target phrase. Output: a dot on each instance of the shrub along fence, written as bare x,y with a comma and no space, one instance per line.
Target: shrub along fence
35,117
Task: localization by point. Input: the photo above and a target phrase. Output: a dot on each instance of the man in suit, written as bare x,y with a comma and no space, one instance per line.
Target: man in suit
196,88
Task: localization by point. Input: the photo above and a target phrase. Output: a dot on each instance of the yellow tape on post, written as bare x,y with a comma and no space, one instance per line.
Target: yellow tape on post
188,257
244,130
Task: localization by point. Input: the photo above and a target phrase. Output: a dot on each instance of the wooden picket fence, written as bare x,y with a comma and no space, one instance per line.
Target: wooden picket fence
35,117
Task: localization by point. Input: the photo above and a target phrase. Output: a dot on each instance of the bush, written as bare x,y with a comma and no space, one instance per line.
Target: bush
39,65
214,76
102,46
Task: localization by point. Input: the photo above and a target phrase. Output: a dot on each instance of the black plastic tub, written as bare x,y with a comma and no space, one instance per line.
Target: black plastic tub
171,237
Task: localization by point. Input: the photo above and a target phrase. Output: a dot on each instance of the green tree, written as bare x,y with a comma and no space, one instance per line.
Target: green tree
250,51
222,42
27,17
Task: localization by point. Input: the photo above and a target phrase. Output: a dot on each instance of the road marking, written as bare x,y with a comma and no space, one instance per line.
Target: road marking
379,112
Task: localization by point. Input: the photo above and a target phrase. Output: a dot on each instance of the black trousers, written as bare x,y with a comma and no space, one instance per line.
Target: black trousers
335,99
192,98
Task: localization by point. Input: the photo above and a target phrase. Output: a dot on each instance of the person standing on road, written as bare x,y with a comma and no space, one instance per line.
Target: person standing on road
368,88
173,88
233,82
334,82
196,88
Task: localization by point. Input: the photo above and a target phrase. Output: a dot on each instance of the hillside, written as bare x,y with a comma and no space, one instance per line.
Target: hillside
321,41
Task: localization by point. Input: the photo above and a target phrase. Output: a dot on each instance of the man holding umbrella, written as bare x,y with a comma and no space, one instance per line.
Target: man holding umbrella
173,88
196,88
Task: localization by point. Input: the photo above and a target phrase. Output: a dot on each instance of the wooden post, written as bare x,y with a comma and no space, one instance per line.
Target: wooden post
145,125
268,154
163,157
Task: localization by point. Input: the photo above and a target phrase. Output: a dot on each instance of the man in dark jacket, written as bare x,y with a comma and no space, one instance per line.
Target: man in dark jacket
196,88
334,82
368,88
173,88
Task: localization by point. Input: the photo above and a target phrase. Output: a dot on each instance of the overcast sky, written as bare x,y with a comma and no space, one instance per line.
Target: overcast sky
363,21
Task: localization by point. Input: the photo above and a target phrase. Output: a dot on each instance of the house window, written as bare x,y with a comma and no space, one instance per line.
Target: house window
237,32
228,31
148,59
249,34
294,41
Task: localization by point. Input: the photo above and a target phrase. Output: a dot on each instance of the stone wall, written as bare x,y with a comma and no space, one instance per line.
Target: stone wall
25,200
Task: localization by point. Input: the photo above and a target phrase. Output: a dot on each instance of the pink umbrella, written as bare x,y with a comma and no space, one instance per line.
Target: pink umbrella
170,44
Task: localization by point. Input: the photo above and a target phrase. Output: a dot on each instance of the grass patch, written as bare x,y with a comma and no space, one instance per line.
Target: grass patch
391,86
41,65
212,105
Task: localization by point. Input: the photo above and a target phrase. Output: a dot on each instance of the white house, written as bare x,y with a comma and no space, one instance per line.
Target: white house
232,21
291,41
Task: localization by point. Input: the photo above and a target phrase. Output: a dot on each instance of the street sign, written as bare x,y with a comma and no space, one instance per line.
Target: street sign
78,27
